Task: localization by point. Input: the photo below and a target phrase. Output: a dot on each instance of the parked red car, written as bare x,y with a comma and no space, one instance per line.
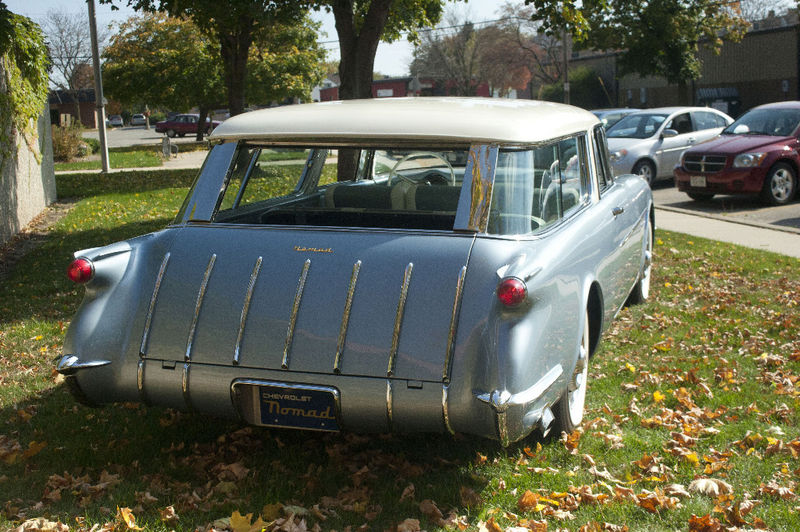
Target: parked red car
757,154
180,125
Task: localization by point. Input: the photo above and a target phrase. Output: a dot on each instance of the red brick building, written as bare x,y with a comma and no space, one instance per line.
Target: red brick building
64,103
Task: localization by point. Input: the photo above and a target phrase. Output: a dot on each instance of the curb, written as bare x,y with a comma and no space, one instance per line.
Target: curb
729,220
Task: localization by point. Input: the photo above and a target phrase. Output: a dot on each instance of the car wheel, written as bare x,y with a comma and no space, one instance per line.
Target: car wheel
641,290
779,185
171,133
647,170
569,409
700,196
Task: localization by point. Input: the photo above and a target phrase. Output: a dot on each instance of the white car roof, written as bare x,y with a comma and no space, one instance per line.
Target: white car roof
402,119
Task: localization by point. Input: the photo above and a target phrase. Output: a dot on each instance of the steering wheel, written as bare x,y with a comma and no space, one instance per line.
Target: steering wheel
414,155
435,178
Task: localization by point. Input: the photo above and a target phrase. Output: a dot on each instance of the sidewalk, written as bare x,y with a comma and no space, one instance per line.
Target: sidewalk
189,159
756,237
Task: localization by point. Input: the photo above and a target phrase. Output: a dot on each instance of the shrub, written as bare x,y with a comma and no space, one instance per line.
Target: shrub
94,144
586,90
67,143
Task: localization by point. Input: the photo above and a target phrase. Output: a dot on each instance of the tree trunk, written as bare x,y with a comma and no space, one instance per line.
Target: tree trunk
357,49
201,120
234,49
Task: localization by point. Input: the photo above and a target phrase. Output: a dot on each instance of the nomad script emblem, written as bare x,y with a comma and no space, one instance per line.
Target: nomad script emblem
313,250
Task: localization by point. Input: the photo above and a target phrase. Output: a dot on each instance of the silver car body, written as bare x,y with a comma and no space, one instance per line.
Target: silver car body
611,116
650,142
324,317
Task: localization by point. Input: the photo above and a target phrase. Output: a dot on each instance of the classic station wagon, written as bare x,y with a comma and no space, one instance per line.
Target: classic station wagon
420,264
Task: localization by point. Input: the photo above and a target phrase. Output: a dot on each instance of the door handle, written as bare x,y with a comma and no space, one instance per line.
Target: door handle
616,211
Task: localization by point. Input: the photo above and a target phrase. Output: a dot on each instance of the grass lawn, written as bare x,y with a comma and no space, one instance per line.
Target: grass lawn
117,159
692,419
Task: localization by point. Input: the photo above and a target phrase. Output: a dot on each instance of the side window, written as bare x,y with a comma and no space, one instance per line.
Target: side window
535,188
681,123
706,120
253,180
574,174
602,165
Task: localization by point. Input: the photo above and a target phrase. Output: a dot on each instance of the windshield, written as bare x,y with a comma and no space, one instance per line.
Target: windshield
775,122
636,126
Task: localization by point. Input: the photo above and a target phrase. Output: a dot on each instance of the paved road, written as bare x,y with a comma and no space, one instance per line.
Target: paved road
741,209
131,135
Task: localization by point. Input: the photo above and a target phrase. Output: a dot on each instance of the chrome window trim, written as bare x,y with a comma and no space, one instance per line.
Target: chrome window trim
475,200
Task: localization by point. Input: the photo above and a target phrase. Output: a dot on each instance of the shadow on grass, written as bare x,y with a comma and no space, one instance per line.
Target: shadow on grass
207,468
94,184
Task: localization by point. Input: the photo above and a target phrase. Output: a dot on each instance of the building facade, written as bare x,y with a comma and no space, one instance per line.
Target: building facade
761,68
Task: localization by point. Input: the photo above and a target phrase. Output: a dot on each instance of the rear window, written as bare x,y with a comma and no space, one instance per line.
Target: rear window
407,188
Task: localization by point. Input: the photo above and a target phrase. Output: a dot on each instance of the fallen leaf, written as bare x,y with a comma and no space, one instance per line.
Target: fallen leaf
408,493
125,517
705,523
409,525
169,515
41,524
528,502
469,498
429,510
710,486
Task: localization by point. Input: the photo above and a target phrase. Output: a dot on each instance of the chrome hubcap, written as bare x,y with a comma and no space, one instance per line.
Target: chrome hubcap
576,388
648,261
781,185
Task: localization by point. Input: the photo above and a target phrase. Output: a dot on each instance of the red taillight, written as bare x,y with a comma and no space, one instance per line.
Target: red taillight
511,291
80,271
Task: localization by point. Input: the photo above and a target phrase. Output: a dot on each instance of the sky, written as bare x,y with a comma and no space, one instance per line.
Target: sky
391,59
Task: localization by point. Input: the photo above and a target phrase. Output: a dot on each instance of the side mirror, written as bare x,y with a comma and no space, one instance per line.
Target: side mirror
667,133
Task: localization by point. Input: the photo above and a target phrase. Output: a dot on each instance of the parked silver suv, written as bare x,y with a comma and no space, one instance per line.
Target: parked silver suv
650,142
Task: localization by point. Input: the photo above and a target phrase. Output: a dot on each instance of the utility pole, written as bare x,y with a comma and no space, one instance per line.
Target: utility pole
566,65
98,89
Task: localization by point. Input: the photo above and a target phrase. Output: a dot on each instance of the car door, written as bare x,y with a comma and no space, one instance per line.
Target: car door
671,148
617,222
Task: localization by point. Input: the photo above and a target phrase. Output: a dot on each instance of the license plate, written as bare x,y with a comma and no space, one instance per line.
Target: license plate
697,181
298,406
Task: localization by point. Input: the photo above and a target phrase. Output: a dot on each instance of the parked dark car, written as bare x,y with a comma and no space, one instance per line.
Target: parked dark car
181,125
757,154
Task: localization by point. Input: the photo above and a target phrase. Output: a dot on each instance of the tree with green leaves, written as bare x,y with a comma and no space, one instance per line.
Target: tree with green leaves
362,24
170,62
656,37
159,60
234,24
